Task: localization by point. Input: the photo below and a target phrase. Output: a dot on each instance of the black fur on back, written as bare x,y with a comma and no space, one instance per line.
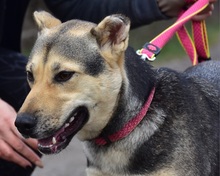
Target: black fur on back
192,123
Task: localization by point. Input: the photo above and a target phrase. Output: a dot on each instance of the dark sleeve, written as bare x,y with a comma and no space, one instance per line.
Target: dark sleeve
140,12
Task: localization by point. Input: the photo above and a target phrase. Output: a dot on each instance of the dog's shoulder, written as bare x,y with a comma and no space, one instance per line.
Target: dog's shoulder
206,71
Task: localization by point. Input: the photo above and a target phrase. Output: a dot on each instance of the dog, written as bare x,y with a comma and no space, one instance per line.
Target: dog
133,119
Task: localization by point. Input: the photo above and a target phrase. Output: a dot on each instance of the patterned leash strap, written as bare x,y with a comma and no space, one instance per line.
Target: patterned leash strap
197,49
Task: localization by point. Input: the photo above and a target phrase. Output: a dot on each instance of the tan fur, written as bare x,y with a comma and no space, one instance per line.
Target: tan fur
112,48
45,20
43,91
165,172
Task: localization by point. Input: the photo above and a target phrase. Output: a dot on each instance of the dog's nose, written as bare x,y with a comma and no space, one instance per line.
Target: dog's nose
25,124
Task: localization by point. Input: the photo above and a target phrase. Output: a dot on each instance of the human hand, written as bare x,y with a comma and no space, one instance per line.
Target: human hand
13,147
172,8
206,12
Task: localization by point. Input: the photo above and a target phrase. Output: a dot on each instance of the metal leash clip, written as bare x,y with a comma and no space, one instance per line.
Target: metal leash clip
144,56
150,48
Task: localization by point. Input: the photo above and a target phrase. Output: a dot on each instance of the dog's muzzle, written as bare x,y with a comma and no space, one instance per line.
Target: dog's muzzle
60,139
53,141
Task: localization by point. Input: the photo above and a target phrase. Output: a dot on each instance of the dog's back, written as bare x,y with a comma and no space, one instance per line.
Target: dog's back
209,71
207,74
190,132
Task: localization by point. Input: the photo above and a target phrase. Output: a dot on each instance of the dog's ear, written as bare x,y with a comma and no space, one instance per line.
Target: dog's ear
112,33
45,20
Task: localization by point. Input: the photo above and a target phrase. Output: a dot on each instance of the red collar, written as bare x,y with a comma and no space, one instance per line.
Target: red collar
130,126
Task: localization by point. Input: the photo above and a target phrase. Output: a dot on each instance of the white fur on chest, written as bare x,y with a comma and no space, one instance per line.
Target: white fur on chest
115,158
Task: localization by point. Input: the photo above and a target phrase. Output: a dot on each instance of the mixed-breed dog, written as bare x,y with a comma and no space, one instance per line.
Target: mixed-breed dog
133,119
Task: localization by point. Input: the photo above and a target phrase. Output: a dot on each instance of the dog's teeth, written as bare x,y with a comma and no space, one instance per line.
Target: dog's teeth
72,119
66,125
54,141
45,146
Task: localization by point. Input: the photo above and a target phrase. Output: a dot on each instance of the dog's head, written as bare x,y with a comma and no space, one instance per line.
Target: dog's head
75,72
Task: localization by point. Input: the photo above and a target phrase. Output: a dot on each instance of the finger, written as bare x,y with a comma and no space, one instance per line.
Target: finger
210,7
202,17
31,142
207,9
207,12
204,14
23,149
7,153
212,1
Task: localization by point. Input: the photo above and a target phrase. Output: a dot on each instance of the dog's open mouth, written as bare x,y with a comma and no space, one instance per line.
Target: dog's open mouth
61,138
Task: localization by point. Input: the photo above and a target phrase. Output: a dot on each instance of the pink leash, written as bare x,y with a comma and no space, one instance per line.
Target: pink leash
197,50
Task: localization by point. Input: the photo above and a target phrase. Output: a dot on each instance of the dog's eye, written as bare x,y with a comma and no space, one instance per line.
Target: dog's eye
63,76
30,76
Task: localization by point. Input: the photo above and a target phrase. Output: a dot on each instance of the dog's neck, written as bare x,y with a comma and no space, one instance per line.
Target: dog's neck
129,126
134,100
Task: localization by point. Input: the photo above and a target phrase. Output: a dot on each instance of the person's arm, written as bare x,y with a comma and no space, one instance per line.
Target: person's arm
13,147
140,12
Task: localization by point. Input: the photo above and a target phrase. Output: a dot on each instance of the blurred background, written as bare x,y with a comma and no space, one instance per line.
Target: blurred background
72,160
172,52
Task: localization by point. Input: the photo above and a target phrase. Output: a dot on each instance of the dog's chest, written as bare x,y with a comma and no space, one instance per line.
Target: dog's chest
111,160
